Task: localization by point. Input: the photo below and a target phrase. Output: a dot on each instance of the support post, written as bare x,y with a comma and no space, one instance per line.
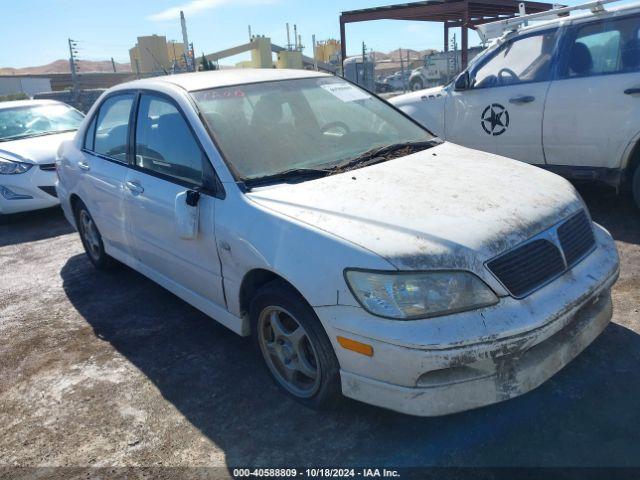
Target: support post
446,36
465,40
343,45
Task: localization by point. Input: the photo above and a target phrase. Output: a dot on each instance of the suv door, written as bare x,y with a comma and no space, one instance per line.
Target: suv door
593,109
104,165
168,161
501,111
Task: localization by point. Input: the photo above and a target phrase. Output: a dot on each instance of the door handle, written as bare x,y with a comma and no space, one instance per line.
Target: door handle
522,99
632,91
82,165
134,187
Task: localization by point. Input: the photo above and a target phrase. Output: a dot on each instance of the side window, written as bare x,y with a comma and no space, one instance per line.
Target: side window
521,60
164,142
90,134
112,127
605,47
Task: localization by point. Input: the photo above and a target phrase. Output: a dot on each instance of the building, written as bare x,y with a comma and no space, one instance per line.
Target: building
153,54
327,51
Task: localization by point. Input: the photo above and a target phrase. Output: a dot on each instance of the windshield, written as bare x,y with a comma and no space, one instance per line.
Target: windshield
31,121
268,128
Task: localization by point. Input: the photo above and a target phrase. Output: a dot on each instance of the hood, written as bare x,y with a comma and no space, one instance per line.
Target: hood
36,150
445,207
425,106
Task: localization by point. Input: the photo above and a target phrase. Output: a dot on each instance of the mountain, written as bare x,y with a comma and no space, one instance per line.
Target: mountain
62,66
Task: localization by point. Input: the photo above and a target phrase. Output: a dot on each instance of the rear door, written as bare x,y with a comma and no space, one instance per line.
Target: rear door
168,161
593,109
502,110
105,166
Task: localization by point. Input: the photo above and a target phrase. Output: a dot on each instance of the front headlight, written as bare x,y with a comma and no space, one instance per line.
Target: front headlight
409,295
8,167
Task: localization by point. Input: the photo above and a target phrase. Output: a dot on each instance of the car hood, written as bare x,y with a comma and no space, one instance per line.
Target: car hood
445,207
418,95
36,150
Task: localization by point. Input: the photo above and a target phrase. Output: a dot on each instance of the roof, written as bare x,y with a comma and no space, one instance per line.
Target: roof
479,11
27,103
224,78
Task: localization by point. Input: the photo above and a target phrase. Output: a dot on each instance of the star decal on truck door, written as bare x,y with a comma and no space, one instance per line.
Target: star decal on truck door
495,119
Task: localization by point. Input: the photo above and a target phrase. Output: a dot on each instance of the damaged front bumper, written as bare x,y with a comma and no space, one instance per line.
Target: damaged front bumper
525,343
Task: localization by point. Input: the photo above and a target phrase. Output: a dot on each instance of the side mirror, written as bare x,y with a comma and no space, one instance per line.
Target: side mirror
463,81
187,214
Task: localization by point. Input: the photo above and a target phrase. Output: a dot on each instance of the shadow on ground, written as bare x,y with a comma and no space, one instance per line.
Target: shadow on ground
586,415
32,226
617,213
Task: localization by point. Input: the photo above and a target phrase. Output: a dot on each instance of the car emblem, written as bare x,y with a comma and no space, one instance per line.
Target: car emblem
495,119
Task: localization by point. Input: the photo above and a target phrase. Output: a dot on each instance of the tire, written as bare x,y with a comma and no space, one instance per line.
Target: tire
416,84
635,186
91,238
311,375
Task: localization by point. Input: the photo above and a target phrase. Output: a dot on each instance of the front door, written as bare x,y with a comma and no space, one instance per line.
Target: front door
168,163
501,111
593,109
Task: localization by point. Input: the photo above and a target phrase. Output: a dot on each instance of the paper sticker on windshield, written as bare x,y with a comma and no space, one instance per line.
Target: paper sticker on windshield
346,92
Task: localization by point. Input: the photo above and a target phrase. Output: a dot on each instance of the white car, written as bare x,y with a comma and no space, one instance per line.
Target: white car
364,255
563,94
31,132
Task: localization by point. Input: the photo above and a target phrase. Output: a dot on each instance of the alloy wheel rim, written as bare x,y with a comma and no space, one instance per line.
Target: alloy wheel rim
90,234
288,351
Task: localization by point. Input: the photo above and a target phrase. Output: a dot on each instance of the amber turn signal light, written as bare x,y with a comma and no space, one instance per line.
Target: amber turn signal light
356,346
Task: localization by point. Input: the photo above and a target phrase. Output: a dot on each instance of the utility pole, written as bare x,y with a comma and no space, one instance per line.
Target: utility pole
401,65
250,34
315,59
364,64
73,64
185,42
113,65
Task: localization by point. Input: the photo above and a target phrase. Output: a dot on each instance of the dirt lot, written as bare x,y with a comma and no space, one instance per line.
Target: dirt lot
109,369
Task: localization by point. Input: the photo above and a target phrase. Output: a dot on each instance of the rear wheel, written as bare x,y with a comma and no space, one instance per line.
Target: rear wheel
294,346
91,238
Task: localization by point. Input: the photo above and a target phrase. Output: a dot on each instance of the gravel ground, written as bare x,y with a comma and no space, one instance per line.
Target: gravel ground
108,369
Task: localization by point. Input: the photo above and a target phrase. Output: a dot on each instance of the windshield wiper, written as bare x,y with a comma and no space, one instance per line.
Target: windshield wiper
383,153
290,175
33,135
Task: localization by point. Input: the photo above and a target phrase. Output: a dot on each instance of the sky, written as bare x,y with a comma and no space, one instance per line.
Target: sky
35,32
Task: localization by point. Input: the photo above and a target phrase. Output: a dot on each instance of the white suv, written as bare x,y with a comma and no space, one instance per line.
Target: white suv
361,253
563,95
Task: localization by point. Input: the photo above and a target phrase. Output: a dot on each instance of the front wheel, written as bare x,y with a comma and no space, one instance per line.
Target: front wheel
417,84
294,346
91,238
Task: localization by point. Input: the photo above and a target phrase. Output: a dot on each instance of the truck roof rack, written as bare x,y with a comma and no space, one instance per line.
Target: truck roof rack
496,29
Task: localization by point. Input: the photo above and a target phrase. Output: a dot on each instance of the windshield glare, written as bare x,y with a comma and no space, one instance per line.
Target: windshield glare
267,128
22,122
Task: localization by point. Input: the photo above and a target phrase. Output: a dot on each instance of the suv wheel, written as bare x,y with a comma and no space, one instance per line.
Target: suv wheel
91,238
635,186
294,346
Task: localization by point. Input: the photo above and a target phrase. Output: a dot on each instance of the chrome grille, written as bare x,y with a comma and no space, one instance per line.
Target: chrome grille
576,238
48,167
540,260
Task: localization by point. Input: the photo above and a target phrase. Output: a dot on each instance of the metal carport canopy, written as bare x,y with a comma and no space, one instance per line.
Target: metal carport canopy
453,13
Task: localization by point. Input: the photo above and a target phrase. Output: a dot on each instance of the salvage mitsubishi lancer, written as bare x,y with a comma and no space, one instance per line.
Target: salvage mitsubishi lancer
364,256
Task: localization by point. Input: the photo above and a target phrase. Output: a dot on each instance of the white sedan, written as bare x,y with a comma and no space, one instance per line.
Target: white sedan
31,132
364,255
